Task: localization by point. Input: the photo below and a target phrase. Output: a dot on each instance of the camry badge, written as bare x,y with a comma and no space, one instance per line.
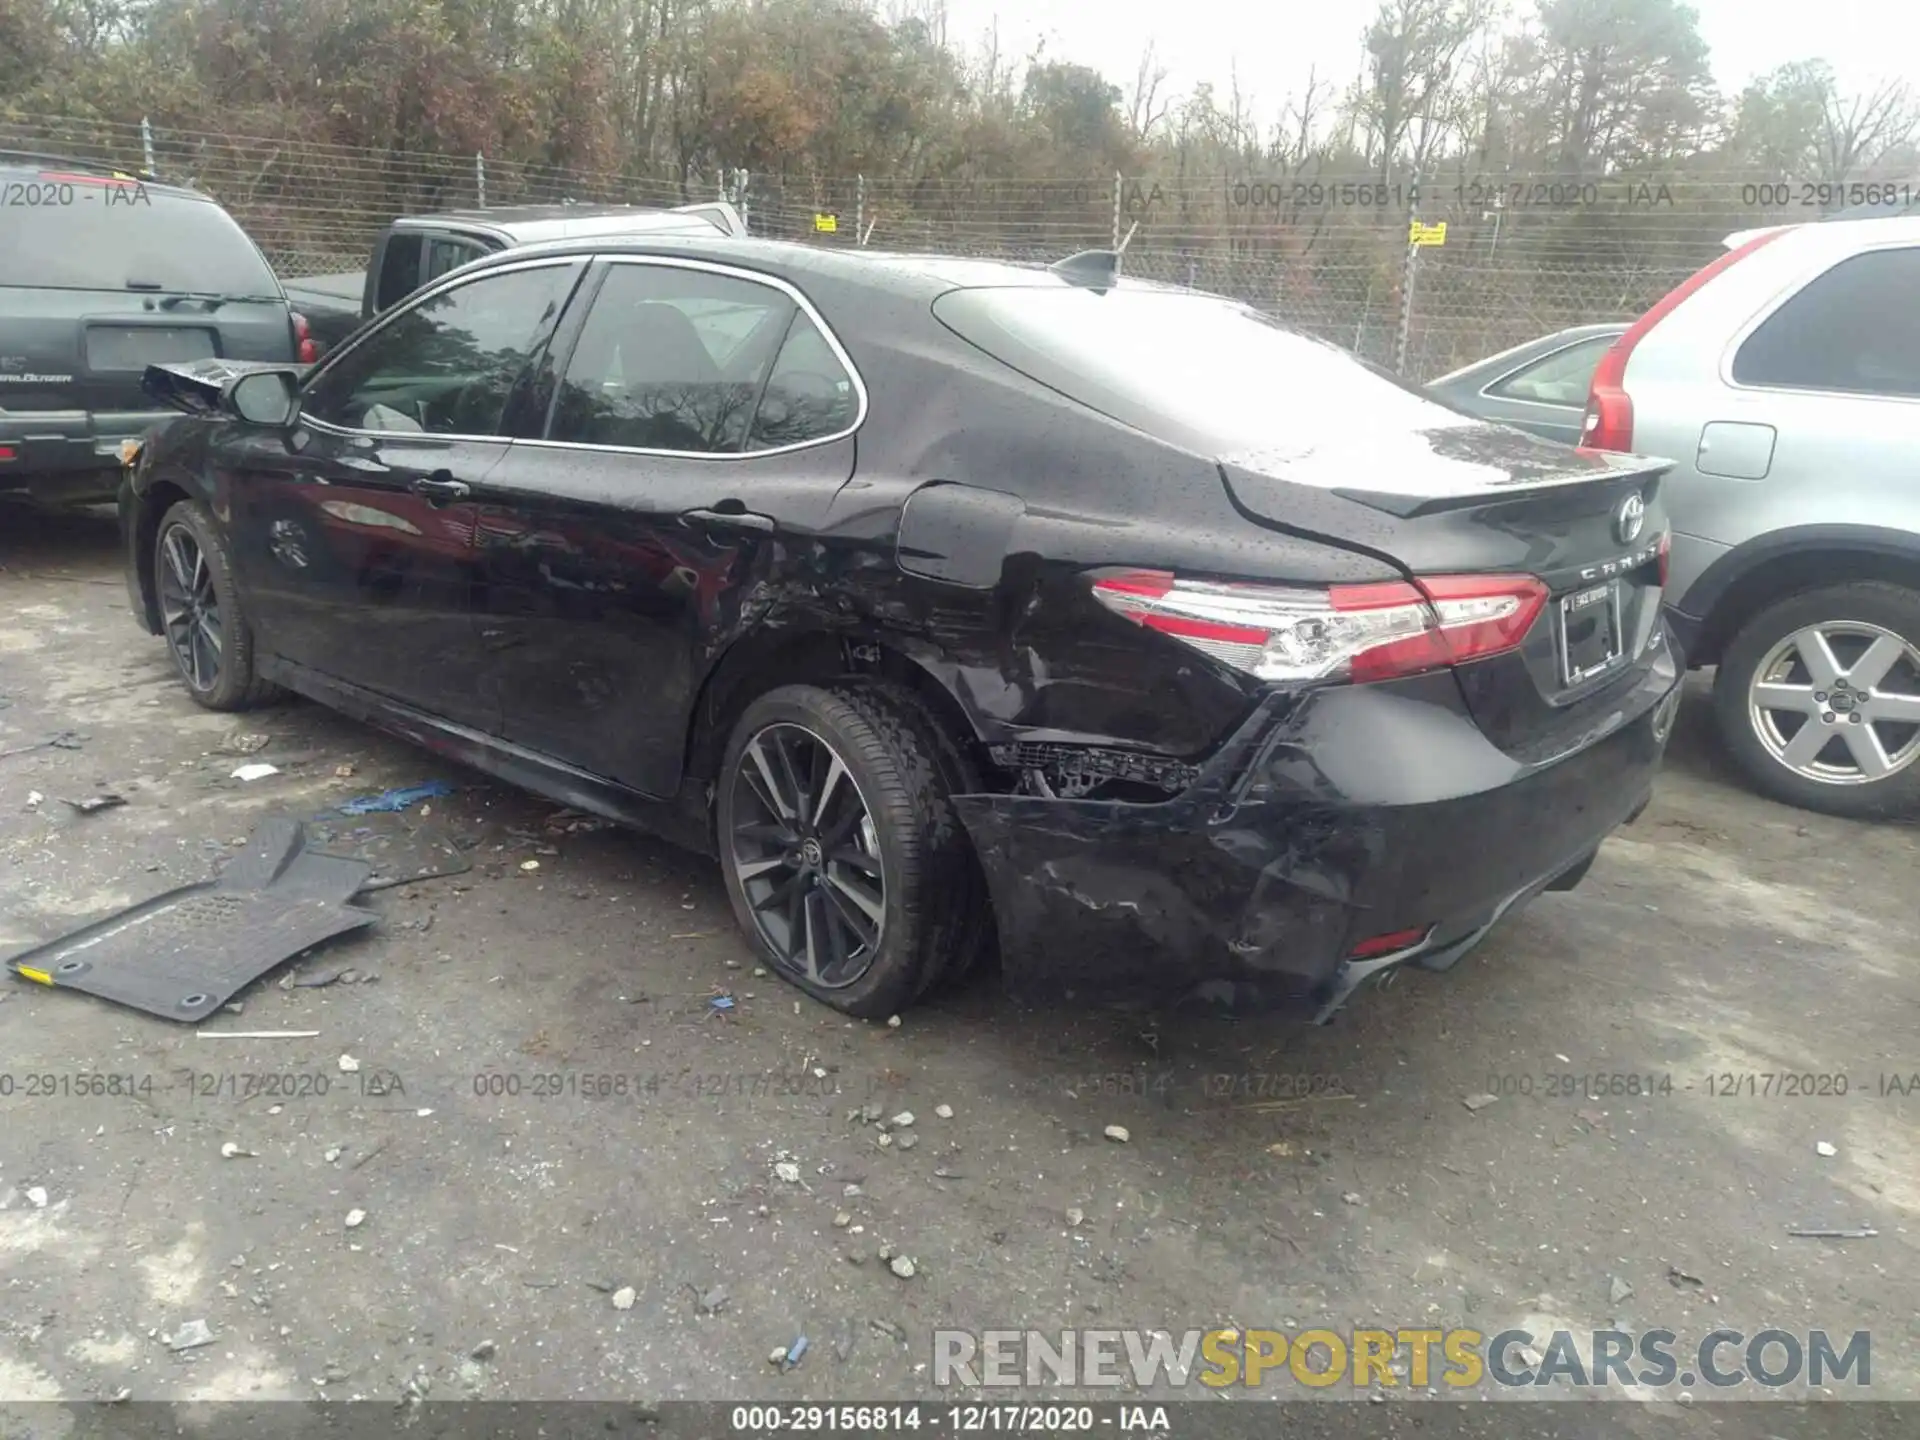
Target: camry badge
1629,519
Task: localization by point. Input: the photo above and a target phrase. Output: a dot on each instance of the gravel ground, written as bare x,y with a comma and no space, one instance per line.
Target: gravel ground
467,1207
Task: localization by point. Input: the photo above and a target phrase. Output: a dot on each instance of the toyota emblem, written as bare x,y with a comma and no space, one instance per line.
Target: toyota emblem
1629,520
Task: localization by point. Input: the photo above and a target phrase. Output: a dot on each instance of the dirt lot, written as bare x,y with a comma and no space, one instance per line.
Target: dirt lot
1721,936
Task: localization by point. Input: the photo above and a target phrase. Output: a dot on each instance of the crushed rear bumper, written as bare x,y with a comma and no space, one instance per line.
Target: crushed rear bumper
1331,819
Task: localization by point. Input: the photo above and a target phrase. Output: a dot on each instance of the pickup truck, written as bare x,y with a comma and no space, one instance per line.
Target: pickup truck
416,249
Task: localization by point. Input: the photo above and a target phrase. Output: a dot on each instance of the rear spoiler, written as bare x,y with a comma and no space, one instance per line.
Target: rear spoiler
1410,506
719,213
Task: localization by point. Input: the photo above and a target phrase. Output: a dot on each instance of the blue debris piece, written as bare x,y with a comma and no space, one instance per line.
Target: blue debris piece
721,1002
795,1351
396,800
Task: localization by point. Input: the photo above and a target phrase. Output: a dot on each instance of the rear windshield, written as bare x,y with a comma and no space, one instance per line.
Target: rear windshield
1210,374
75,232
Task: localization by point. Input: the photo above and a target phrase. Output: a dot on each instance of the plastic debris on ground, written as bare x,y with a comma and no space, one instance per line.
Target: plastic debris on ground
96,802
396,800
397,848
183,954
259,770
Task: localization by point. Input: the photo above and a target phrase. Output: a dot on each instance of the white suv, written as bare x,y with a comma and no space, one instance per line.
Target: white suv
1783,381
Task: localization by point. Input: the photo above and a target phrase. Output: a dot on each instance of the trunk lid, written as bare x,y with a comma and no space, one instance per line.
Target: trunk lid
1484,499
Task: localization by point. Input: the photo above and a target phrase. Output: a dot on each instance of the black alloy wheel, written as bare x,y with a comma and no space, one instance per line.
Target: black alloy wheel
845,862
807,855
190,608
200,613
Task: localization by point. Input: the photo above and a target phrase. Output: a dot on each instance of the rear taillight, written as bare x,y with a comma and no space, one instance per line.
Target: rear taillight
1666,556
303,347
1608,424
1341,632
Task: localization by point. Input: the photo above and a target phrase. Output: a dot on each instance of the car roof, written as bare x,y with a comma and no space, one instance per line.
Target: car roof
906,271
1840,232
533,224
51,166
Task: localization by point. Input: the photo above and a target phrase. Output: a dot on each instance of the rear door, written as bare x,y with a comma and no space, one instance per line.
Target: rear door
104,275
700,423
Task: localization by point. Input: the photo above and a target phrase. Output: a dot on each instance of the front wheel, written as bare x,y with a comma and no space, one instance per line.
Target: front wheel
843,858
200,615
1818,699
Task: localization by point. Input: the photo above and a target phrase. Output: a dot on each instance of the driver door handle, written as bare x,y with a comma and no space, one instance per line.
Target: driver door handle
439,487
729,520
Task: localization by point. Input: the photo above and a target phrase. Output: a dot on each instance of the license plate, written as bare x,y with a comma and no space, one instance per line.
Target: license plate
123,348
1589,632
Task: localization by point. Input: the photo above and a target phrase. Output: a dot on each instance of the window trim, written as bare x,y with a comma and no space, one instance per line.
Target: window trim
451,280
802,305
1487,391
1779,301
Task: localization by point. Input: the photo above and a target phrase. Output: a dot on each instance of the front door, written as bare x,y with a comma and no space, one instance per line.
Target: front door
354,530
700,426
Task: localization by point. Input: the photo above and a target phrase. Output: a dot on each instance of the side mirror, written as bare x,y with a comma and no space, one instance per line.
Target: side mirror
262,398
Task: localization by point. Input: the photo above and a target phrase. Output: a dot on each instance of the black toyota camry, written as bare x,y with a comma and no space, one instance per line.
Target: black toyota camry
954,606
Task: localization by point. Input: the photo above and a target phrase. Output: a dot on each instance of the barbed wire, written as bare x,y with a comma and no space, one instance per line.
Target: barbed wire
1523,254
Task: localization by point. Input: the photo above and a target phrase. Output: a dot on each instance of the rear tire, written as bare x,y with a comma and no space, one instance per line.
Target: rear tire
206,631
1819,659
844,860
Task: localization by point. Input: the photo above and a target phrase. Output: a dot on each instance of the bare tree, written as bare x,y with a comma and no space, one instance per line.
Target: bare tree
1294,138
1858,130
1145,109
1413,49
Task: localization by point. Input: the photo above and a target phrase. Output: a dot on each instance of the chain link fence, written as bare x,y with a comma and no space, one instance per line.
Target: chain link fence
1520,256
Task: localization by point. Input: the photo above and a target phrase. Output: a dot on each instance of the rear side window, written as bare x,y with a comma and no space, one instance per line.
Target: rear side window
809,394
698,363
1854,328
86,232
1561,378
1196,370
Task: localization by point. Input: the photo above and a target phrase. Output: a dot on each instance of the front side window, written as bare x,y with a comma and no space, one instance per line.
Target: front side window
686,360
447,365
1855,327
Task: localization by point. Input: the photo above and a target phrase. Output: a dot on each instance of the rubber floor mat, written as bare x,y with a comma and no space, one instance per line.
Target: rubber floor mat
184,954
397,848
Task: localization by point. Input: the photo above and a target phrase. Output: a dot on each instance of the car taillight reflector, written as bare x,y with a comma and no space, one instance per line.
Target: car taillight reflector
304,348
1666,556
1608,424
1389,943
1344,632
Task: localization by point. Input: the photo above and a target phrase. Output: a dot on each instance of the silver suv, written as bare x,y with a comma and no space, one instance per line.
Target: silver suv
1783,381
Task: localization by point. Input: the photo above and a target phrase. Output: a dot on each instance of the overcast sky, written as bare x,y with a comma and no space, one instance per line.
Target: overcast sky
1273,46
